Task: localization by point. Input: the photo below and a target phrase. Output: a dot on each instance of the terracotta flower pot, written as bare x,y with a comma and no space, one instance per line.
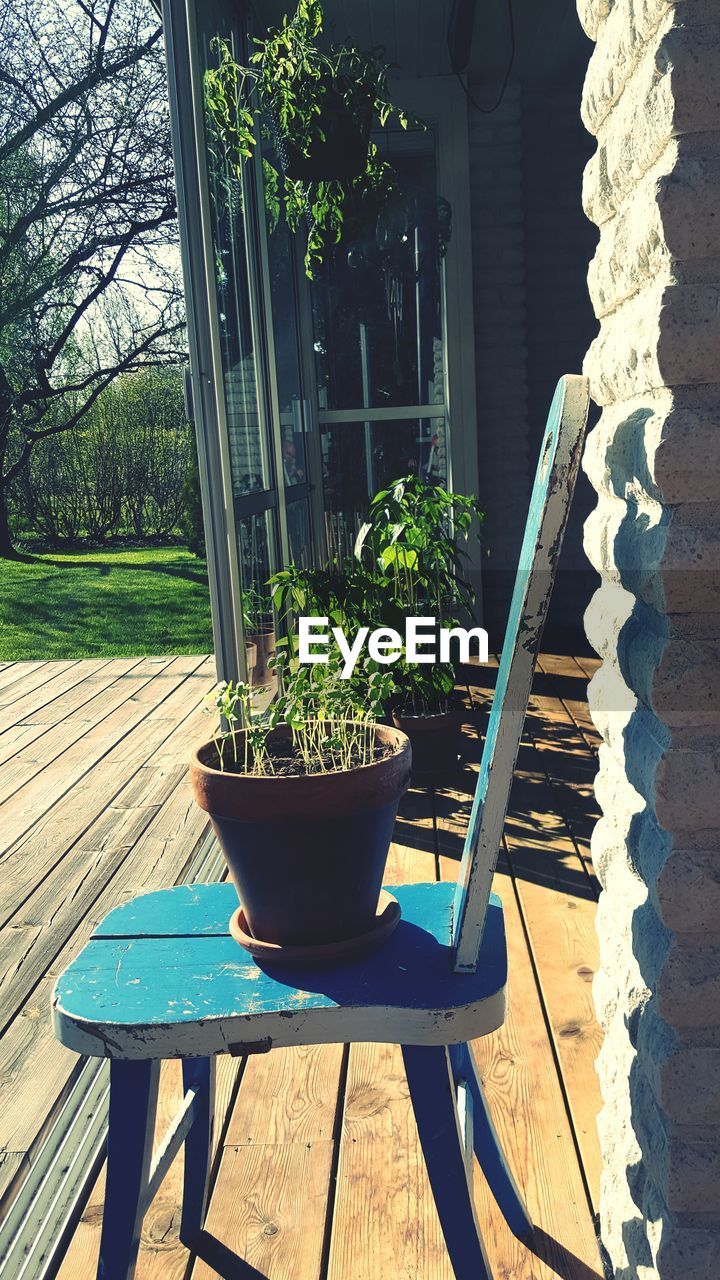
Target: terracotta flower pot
251,657
264,642
306,853
435,743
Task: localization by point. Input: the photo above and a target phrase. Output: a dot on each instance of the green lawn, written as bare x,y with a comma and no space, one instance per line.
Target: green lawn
104,604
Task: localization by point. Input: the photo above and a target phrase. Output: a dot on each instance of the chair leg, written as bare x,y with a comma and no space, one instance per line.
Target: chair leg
487,1146
199,1075
432,1092
133,1105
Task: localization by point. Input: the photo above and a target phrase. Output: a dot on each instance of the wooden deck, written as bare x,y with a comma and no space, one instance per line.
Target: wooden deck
317,1171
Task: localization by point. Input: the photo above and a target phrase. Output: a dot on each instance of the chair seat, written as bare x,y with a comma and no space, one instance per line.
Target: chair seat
162,977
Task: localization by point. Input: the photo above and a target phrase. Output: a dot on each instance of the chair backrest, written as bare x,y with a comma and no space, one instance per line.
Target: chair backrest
547,518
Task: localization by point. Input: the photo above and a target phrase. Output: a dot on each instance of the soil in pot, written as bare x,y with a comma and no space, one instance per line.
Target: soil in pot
435,743
306,852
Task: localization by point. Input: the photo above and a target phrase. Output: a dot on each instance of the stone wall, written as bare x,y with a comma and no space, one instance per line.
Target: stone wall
652,99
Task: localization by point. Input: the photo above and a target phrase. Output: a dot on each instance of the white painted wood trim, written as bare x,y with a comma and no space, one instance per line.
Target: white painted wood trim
249,1032
487,820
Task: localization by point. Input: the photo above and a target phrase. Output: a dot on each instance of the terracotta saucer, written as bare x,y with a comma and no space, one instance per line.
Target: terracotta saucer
386,920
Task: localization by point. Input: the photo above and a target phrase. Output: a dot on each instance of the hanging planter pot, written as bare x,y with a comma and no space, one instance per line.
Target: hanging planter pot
339,150
319,101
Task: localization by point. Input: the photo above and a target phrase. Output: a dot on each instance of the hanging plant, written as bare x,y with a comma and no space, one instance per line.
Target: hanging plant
318,106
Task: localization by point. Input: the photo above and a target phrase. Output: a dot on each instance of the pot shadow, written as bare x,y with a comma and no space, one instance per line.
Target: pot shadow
412,969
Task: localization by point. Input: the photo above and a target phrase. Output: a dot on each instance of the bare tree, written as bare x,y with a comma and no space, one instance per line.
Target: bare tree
89,279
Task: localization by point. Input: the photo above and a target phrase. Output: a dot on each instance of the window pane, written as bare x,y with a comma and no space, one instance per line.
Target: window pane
298,518
250,461
377,309
257,551
361,458
284,306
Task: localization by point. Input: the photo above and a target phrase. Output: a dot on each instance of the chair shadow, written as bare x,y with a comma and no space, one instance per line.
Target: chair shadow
562,1261
228,1265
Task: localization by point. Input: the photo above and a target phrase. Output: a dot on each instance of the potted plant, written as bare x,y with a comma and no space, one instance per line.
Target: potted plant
409,546
407,562
251,657
303,802
317,102
259,623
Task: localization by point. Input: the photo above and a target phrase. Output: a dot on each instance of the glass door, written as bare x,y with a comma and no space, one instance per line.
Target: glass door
251,409
378,320
309,396
292,398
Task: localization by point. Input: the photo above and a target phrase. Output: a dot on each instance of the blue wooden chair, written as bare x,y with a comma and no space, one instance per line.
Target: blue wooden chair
162,978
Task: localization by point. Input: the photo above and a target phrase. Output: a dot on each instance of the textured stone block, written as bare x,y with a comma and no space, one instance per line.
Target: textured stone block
652,97
687,893
630,26
592,14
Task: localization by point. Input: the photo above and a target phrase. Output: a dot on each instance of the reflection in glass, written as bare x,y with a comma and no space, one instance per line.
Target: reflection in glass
377,309
298,518
359,459
250,464
257,551
284,306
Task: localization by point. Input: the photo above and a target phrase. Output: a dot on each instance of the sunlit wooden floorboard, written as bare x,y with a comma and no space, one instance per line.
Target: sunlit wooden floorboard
318,1171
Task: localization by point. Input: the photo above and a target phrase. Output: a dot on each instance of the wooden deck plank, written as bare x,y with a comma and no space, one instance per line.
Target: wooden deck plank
60,678
557,907
588,665
558,902
269,1208
285,1097
161,1255
560,924
26,691
554,906
43,747
524,1093
56,907
270,1201
570,686
94,686
14,673
29,1052
38,790
69,795
385,1222
553,746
